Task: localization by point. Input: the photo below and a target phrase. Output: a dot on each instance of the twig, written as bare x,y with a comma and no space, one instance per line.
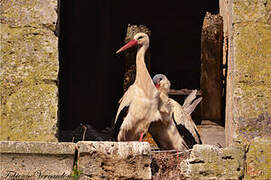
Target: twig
84,133
164,151
173,150
182,152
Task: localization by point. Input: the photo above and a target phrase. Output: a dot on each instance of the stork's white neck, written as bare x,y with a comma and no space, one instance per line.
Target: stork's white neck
143,78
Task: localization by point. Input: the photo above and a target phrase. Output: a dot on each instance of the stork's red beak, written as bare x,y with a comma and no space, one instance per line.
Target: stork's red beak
157,85
128,45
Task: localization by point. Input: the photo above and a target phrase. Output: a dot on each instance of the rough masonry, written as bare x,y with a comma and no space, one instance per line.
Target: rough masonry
29,70
247,28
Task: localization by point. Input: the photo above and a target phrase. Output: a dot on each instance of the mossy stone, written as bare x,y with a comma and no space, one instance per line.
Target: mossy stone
29,70
258,159
251,11
34,13
211,162
252,91
32,113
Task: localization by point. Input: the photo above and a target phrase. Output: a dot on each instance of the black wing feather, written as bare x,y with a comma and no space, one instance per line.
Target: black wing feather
123,113
185,133
200,142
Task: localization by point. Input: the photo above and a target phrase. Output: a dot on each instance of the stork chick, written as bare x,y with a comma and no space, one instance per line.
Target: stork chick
177,129
165,132
139,104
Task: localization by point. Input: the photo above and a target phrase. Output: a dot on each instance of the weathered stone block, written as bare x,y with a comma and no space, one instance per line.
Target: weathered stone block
211,162
29,160
32,113
251,11
249,57
28,54
252,80
29,63
114,160
258,159
250,128
29,13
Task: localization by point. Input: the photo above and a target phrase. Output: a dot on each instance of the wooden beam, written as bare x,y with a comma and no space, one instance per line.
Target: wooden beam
184,92
211,67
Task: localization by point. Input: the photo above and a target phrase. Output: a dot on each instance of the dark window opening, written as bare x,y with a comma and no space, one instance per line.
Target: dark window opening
91,75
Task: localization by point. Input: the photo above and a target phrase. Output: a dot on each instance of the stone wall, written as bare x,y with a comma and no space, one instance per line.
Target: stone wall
248,102
111,160
258,159
211,162
36,160
82,160
133,160
29,70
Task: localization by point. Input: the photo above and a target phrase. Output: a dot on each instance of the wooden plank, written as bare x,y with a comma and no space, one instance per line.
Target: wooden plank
211,68
182,92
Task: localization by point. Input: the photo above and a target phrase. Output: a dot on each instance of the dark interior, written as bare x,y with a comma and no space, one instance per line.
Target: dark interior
91,75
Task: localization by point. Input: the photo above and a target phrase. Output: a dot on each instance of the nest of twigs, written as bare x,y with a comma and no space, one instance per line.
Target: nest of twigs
166,164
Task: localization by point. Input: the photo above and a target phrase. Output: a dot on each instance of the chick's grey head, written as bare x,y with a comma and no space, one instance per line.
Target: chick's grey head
161,82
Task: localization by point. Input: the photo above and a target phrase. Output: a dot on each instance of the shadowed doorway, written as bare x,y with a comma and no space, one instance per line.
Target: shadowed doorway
91,75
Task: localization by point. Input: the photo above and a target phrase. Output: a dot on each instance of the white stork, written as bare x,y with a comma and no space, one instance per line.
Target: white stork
176,130
139,104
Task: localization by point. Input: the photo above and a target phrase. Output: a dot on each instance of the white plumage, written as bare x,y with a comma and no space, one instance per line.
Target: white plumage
139,104
182,116
176,130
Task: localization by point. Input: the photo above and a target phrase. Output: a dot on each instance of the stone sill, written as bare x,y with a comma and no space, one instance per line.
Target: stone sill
93,159
52,148
131,160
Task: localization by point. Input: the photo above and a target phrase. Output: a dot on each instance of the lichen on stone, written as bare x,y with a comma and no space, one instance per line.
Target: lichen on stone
252,42
208,161
32,113
29,70
258,159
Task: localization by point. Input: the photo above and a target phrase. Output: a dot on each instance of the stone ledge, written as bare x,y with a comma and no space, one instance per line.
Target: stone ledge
111,160
121,149
132,160
36,160
53,148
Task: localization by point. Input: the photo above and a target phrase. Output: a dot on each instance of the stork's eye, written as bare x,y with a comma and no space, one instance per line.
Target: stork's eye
140,37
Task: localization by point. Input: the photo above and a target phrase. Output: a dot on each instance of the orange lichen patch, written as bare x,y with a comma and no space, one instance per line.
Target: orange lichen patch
148,138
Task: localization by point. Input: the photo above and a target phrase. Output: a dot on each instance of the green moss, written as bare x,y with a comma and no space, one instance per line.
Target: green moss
32,113
252,81
29,59
75,171
252,10
218,163
28,55
32,13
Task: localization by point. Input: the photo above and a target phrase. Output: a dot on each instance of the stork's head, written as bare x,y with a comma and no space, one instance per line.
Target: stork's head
140,39
161,82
